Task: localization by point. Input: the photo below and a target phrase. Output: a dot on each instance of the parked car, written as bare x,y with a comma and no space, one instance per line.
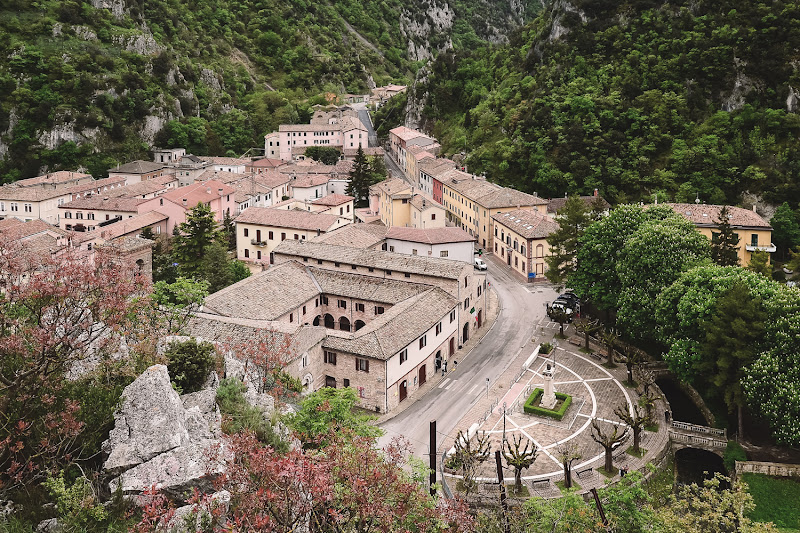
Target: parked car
571,298
561,305
480,264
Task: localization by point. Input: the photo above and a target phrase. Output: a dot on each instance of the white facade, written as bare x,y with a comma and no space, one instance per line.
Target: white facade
306,194
395,370
338,186
457,251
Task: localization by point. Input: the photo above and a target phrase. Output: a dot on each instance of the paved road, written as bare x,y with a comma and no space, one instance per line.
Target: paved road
363,115
521,308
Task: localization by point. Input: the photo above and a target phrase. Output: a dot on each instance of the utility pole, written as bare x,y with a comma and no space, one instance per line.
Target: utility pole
503,502
433,457
599,507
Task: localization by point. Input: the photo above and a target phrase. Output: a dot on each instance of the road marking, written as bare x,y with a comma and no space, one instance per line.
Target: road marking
443,383
473,389
602,420
450,385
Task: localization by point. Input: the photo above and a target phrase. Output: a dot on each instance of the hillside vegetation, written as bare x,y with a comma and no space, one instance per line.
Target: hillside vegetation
90,83
640,98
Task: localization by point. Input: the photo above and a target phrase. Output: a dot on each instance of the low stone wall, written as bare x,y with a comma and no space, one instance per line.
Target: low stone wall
770,469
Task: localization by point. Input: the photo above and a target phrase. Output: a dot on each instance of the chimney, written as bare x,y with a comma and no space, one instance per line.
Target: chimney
184,202
208,190
219,191
595,193
754,208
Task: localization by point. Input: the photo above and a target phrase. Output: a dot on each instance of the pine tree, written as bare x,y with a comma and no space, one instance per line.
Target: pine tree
229,228
199,231
785,228
573,220
725,242
360,179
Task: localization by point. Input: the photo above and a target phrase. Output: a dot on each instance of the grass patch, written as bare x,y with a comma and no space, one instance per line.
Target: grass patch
639,455
562,404
610,365
775,498
652,428
606,473
631,384
563,488
523,491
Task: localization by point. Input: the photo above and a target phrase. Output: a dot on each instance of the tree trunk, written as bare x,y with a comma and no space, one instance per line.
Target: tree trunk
630,372
567,476
561,331
610,361
637,434
609,460
586,335
741,423
518,480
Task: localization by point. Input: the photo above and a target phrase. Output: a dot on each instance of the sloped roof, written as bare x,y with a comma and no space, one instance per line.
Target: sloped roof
196,193
707,215
105,203
333,199
137,167
429,236
528,224
355,235
62,176
281,218
554,205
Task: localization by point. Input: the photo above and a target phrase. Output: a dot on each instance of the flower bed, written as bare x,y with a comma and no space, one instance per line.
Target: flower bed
532,405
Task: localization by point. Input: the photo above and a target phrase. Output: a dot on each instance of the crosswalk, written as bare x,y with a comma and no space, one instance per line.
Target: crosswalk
458,386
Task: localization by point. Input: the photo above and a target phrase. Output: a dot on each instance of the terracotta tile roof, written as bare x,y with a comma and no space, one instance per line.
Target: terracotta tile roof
489,195
333,199
435,167
230,161
136,190
429,236
429,266
311,180
399,326
95,185
15,229
267,163
127,226
355,235
62,176
166,179
196,193
554,205
30,194
423,202
392,186
406,134
528,224
707,215
368,151
105,203
127,243
304,220
312,167
368,288
138,167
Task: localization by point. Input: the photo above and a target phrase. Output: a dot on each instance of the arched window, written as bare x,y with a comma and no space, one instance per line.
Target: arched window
344,324
316,320
360,324
330,323
539,250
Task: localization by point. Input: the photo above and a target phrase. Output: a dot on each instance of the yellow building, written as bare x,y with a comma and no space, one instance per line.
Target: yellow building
753,231
471,203
400,206
520,241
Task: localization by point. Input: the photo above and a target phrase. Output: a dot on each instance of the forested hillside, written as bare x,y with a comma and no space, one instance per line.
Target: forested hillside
638,98
89,83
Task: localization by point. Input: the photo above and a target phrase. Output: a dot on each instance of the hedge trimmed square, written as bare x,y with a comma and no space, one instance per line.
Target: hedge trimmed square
531,405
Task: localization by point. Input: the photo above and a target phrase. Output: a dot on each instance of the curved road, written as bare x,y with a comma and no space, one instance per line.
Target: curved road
522,306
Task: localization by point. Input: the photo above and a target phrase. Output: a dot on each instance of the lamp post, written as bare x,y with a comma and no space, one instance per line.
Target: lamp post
504,423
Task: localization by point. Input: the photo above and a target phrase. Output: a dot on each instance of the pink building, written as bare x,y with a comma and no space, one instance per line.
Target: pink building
175,204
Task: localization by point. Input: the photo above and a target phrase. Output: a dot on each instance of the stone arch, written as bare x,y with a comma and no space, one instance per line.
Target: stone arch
317,320
359,324
344,324
330,323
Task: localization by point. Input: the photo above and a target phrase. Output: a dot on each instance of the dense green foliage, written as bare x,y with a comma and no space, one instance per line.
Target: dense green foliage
775,498
642,98
330,409
733,452
238,415
189,363
532,406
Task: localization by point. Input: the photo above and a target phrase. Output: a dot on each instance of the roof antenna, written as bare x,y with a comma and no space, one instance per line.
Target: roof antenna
697,200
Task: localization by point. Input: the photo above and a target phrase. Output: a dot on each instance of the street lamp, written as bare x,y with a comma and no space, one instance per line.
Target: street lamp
504,423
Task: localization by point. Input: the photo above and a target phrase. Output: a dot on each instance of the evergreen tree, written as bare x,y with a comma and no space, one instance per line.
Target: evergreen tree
215,267
573,220
360,180
785,229
759,263
731,341
199,230
377,168
229,229
725,243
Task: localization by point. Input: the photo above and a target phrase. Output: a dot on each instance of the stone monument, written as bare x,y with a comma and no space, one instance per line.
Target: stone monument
549,396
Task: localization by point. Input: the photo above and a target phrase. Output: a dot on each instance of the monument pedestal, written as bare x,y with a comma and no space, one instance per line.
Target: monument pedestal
548,400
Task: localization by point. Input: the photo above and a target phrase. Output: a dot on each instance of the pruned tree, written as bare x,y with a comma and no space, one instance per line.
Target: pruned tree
636,421
519,458
568,452
648,402
610,338
645,376
608,440
633,356
588,327
560,315
470,454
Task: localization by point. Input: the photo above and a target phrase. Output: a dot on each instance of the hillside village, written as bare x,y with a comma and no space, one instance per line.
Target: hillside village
380,297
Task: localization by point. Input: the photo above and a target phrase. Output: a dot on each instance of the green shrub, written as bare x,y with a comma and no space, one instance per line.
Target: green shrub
733,452
530,406
189,364
238,415
545,348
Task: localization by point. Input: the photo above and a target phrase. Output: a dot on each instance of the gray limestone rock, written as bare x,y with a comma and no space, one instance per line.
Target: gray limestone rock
150,421
188,519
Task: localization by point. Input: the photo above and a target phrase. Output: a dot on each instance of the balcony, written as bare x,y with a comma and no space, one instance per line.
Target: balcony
256,242
754,247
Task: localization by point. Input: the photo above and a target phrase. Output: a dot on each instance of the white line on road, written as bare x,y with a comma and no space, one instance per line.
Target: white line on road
602,419
450,385
473,389
443,383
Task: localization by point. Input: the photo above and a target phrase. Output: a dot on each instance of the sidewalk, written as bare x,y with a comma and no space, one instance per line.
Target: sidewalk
493,309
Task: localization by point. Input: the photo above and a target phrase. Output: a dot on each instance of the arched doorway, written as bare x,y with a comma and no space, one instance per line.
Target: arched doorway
480,318
403,390
693,465
438,360
359,324
422,375
465,333
344,324
316,320
330,323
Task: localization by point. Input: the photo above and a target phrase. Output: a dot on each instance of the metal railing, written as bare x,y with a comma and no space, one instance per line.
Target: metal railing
694,428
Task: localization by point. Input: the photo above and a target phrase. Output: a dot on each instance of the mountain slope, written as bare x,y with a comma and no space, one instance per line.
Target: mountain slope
680,99
93,82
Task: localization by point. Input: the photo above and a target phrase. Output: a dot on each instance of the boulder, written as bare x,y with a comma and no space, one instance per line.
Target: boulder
203,419
191,518
151,421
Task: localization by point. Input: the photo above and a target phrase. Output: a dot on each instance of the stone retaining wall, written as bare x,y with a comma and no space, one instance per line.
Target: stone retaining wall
770,469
